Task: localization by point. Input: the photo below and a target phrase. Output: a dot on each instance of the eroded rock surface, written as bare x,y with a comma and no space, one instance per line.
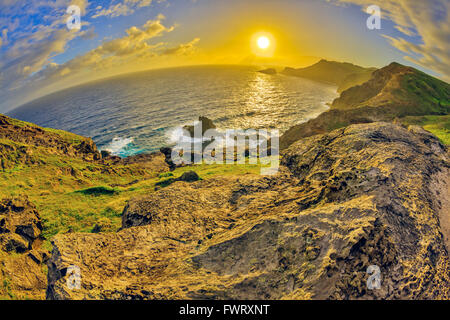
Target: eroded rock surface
20,225
360,196
21,258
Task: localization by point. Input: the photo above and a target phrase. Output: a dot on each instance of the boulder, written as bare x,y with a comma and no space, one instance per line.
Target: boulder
21,255
189,176
206,124
20,224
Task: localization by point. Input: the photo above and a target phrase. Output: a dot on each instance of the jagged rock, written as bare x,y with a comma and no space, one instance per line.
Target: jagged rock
167,152
189,176
368,194
105,154
20,232
20,224
206,124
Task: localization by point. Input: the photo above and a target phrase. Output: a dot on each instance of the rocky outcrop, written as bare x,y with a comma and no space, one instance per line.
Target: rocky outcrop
21,258
19,139
205,123
365,195
20,225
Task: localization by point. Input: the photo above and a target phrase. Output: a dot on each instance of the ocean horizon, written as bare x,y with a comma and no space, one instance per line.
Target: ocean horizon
142,112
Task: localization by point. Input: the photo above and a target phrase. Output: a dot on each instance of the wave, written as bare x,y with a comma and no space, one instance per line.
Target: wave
122,147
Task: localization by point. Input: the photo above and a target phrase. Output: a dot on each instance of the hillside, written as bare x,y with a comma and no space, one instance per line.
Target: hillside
352,192
342,74
62,183
395,92
368,194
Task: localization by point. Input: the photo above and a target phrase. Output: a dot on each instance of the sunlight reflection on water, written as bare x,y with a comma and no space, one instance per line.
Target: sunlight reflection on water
145,108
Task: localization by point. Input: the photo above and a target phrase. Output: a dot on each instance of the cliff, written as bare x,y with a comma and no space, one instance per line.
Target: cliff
54,181
367,194
394,92
353,191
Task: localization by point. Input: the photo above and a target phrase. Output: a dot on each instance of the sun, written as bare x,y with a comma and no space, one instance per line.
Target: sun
263,42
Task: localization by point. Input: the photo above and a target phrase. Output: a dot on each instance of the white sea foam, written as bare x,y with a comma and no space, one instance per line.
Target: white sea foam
118,145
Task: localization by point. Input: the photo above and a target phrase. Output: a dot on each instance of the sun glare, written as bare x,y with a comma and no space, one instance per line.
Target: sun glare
263,42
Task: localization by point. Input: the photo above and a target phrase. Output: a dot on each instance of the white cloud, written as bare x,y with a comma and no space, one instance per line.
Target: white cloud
427,19
124,8
31,70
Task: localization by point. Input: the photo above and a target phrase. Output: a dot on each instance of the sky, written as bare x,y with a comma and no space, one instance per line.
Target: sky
39,54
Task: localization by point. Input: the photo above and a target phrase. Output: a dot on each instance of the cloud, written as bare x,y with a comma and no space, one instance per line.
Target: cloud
124,8
30,50
425,25
33,71
28,47
182,49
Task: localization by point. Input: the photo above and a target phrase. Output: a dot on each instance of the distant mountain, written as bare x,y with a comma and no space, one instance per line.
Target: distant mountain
393,92
344,75
401,87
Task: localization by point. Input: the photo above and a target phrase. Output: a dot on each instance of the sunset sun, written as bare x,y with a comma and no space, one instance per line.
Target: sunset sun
263,42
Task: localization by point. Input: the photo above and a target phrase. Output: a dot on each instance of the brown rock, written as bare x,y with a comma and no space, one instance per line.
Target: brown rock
356,197
20,224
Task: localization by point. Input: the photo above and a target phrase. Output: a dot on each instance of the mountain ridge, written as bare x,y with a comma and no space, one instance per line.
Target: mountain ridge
393,92
342,74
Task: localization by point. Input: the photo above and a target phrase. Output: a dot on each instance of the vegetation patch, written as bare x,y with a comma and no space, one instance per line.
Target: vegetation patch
98,191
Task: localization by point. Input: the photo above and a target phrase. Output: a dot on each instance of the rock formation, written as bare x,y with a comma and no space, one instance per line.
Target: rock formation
269,71
21,257
205,123
360,196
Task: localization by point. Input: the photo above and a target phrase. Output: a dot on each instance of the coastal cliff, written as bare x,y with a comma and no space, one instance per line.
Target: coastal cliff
369,194
395,92
359,186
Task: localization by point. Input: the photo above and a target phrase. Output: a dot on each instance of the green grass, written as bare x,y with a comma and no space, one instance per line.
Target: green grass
74,195
438,125
6,292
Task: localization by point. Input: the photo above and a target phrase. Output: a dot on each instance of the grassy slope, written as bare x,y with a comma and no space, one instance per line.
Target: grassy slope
438,125
72,194
395,92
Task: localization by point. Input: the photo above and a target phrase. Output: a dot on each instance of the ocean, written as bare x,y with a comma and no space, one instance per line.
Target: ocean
142,112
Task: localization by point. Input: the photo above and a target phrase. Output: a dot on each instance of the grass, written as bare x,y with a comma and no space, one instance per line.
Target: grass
437,125
6,292
73,195
65,135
